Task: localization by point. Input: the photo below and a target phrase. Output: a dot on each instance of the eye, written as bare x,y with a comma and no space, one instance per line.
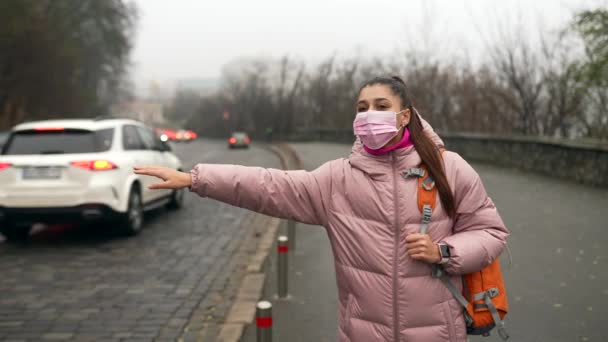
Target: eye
361,109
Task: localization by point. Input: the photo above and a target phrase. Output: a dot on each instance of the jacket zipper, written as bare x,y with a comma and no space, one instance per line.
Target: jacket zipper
395,254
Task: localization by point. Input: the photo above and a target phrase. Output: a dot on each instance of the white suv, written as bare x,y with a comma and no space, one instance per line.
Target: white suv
81,170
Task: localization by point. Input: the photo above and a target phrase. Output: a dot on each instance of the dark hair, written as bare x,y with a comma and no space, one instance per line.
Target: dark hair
428,151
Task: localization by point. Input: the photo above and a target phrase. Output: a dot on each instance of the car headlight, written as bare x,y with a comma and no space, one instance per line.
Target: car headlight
164,137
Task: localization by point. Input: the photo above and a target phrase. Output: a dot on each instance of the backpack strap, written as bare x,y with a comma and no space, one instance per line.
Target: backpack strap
487,298
439,273
427,200
427,192
427,195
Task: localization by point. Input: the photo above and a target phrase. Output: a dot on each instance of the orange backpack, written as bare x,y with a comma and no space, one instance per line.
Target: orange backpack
484,299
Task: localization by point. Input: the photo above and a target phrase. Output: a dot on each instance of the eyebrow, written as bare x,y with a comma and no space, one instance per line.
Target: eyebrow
375,100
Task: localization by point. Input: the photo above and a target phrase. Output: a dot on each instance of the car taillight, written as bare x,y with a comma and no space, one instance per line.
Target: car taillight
4,166
232,140
247,140
95,165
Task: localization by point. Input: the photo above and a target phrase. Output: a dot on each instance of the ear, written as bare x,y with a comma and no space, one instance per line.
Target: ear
406,115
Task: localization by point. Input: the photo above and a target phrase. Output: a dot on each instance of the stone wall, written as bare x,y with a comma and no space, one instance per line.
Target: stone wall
581,162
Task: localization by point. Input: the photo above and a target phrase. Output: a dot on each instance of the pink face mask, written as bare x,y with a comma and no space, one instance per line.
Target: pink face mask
376,128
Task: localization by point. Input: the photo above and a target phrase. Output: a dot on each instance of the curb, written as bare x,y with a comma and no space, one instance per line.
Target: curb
280,154
242,311
294,154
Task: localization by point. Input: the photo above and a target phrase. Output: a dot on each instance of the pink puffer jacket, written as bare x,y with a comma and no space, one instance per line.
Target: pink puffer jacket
368,208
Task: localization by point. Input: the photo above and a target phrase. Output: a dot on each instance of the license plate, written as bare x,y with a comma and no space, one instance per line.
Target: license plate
46,172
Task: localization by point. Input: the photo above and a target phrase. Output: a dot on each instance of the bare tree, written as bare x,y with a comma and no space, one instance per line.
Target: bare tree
565,94
62,58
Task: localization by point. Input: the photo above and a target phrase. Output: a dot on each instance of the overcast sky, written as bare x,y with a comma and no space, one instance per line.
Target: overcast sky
193,38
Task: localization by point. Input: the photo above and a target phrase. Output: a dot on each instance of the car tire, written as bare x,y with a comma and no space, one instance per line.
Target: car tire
15,233
132,222
177,199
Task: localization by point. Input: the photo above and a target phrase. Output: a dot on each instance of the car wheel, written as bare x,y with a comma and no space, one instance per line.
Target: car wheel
177,199
15,233
133,220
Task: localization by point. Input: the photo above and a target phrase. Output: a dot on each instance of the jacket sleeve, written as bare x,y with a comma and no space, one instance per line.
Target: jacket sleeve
479,232
297,195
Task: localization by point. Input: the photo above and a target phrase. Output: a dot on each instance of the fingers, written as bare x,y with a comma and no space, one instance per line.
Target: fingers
154,171
145,167
420,243
420,257
163,185
420,247
414,237
417,249
149,171
418,240
421,250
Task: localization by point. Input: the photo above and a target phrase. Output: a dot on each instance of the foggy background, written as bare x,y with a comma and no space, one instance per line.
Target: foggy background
187,38
292,70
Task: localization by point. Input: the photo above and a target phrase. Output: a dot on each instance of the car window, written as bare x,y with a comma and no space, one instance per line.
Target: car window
104,138
3,138
59,141
131,139
150,139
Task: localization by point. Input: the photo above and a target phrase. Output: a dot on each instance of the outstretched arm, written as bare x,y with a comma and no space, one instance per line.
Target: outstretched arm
297,195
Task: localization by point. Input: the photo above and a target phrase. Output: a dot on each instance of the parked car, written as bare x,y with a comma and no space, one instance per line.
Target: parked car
81,170
239,139
3,138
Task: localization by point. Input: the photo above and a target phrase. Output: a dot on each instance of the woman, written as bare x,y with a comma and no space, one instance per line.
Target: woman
383,265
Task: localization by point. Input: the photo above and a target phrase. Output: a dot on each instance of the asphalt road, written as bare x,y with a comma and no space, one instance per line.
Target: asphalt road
87,285
82,284
557,283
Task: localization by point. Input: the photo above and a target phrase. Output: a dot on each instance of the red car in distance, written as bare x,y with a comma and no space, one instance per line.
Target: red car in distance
181,135
185,136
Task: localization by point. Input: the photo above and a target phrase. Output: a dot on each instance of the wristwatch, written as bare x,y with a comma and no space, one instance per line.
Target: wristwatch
444,251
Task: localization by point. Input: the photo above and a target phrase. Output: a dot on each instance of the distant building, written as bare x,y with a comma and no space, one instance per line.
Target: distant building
148,112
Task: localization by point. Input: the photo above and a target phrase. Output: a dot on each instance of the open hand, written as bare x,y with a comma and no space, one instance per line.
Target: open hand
172,179
421,247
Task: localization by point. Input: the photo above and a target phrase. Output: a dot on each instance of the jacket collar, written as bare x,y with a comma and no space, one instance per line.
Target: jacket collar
404,158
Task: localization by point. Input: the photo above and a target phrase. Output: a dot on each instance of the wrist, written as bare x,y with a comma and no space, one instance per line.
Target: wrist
187,179
437,255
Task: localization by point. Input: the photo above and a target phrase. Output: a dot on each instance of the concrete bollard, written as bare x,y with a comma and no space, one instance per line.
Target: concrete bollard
291,234
282,249
263,321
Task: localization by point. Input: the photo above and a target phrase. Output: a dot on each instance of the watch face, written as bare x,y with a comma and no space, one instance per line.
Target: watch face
445,251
